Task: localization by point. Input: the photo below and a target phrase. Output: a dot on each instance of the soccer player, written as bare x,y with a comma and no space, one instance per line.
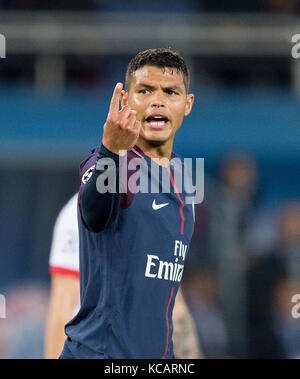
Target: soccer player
64,270
133,245
64,295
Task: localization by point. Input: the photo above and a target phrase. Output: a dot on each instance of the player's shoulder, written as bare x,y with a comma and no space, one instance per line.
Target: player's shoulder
89,161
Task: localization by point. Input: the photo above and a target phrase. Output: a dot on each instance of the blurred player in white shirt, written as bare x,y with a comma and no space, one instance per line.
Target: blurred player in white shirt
64,257
65,291
64,270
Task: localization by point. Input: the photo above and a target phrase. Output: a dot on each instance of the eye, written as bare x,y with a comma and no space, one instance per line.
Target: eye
144,91
171,92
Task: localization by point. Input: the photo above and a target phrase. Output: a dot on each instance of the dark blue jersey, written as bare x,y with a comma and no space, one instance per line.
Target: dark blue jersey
132,252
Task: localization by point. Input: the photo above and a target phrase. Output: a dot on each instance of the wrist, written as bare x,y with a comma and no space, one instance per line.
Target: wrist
112,150
111,153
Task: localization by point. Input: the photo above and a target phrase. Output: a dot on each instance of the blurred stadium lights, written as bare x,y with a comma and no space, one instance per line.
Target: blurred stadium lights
47,34
102,33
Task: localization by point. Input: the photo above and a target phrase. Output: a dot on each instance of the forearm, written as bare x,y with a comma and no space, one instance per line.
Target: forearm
99,197
186,344
185,339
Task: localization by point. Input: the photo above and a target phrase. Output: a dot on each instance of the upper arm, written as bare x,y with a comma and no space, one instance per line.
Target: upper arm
99,196
64,300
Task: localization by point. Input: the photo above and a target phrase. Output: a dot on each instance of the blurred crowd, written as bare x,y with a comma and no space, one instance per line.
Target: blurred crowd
244,268
286,6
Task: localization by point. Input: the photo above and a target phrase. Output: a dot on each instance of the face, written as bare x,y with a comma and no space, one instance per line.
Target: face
159,97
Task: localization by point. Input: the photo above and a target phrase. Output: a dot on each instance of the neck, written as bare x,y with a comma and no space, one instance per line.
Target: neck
155,152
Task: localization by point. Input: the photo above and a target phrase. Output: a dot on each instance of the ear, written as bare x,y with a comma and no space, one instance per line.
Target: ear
124,98
189,103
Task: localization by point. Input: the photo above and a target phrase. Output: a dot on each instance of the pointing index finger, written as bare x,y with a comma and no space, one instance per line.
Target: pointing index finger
116,97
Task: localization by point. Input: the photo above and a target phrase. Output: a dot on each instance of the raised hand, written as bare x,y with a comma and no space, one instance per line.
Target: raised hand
121,129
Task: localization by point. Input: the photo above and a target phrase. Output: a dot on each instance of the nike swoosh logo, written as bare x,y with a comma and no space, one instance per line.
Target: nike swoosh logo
158,206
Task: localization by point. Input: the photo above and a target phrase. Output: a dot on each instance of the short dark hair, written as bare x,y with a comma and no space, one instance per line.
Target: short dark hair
160,57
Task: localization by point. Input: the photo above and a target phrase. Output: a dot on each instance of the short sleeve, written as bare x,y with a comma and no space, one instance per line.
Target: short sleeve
64,254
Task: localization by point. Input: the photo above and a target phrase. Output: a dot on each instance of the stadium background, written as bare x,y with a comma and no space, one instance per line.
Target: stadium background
55,85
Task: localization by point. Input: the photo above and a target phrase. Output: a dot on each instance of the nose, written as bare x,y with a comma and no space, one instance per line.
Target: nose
157,101
157,104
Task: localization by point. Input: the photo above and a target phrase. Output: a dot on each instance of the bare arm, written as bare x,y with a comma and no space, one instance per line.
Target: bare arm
64,298
186,344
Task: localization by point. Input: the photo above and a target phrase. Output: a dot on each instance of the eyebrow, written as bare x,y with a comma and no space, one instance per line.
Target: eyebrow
148,86
145,86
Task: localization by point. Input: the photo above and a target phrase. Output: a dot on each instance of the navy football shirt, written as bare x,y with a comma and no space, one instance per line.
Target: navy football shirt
132,252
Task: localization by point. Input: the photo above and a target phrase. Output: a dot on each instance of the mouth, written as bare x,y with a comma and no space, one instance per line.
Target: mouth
157,122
